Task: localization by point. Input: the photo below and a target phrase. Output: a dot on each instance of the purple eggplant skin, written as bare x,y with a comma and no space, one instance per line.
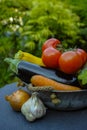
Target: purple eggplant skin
26,70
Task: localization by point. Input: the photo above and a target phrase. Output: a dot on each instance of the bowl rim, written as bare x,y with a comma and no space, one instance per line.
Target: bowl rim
68,91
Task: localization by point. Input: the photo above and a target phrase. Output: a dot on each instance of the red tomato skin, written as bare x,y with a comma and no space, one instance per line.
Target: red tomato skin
83,55
52,42
50,57
70,62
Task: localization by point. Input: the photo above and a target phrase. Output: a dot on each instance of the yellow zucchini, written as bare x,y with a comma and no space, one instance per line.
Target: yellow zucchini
29,58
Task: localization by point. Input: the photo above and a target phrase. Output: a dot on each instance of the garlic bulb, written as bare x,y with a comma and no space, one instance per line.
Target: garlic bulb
33,108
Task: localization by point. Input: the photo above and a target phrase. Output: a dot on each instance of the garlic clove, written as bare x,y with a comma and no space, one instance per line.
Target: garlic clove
30,117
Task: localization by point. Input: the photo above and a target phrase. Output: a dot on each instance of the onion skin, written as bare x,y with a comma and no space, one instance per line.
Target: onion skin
17,99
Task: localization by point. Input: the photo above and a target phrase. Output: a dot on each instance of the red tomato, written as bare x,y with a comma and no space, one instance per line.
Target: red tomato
83,55
52,42
70,62
50,57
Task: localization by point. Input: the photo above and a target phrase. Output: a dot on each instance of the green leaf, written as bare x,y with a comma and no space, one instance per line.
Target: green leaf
82,76
13,63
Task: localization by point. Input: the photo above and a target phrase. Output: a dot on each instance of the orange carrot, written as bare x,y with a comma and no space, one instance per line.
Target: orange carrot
38,80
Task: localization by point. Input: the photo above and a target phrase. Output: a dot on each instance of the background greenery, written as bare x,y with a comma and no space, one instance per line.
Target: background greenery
25,25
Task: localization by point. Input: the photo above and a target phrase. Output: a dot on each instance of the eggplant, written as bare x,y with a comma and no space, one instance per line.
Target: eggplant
26,70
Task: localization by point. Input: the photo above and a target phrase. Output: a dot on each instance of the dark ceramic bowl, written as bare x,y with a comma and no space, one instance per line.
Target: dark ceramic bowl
61,100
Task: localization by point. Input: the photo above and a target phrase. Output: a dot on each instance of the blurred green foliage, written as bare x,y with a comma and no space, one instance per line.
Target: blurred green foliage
25,25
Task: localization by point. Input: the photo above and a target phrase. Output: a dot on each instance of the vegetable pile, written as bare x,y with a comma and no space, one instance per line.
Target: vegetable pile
68,62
